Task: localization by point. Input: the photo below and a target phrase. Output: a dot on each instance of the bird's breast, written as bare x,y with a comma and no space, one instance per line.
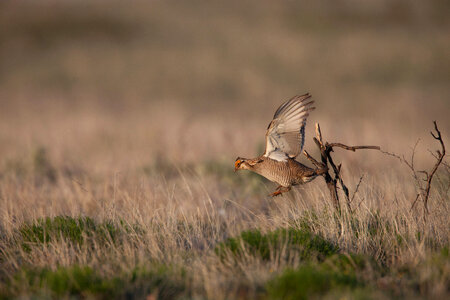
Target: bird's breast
276,171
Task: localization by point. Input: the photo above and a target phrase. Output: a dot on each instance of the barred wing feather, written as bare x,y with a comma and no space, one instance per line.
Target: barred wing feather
285,135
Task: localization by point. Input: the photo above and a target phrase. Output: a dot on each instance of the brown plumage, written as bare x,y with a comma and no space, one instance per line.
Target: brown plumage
284,141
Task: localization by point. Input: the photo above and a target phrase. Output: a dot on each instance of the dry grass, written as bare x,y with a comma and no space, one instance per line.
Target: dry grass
133,116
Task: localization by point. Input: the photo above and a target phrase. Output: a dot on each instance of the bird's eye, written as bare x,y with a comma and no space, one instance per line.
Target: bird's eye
237,163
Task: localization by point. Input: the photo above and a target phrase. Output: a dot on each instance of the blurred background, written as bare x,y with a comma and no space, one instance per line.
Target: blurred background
105,86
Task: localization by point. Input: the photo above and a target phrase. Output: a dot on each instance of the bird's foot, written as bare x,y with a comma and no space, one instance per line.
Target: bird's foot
280,190
276,193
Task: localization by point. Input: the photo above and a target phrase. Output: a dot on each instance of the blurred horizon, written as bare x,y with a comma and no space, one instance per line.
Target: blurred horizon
198,80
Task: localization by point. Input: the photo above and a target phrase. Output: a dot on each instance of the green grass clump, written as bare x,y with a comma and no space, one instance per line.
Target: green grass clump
75,230
338,277
308,281
83,281
349,264
73,280
307,245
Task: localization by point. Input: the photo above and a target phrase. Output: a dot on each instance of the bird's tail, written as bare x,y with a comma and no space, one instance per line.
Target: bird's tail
313,173
321,171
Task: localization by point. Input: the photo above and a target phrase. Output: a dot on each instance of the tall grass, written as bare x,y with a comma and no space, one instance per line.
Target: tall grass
181,222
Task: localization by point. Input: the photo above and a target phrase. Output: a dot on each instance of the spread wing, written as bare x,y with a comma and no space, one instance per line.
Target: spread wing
285,135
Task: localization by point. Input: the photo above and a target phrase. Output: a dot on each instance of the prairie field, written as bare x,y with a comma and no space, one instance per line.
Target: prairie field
120,123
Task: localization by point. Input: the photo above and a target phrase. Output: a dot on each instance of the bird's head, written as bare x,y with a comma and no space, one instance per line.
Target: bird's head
241,164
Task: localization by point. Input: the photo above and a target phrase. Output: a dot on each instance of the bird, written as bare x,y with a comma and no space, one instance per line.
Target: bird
285,138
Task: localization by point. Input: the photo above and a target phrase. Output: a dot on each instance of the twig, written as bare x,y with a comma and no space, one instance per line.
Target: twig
331,183
337,176
357,187
446,165
402,158
414,203
359,204
436,166
424,191
319,134
352,148
312,159
409,164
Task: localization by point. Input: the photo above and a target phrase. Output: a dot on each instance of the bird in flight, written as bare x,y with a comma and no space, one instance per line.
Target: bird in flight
285,138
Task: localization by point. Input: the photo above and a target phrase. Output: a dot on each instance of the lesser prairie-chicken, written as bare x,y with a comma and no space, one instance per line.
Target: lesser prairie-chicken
285,138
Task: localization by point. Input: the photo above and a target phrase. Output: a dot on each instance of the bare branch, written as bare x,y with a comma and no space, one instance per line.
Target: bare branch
325,153
319,134
313,160
436,166
326,158
403,160
414,203
425,173
331,183
337,175
357,188
436,156
424,189
413,154
393,155
352,148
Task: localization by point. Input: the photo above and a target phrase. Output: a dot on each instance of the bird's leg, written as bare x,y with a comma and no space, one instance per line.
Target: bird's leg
277,192
280,190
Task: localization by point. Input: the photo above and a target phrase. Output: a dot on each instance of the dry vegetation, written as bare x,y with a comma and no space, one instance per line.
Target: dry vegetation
119,125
